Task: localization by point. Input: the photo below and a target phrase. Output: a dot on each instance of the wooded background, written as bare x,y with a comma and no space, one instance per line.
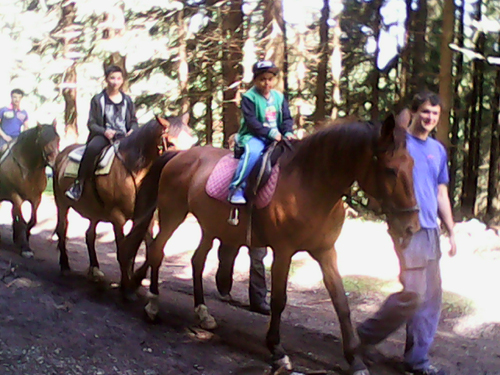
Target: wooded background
338,58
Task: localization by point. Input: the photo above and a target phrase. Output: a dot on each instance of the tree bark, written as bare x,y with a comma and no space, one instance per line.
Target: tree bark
323,52
445,72
458,112
70,110
232,33
494,150
336,66
183,67
472,172
273,36
376,72
419,49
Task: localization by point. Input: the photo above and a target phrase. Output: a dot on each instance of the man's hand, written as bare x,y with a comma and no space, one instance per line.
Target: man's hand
278,137
453,244
8,138
290,136
110,134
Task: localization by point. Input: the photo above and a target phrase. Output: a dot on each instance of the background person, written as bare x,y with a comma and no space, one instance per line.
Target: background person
13,119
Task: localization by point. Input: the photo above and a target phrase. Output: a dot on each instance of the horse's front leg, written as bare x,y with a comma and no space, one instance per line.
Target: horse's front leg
328,262
279,274
95,274
33,219
20,228
206,320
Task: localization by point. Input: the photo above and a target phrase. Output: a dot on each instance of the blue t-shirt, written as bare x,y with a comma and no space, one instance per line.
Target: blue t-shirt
429,171
12,121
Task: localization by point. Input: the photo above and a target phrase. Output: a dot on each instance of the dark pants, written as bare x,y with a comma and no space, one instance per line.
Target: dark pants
257,289
418,305
90,157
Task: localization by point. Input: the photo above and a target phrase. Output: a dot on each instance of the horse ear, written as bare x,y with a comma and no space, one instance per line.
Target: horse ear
387,132
163,122
54,123
185,118
403,118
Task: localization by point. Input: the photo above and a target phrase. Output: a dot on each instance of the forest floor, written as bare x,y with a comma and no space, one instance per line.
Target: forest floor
51,324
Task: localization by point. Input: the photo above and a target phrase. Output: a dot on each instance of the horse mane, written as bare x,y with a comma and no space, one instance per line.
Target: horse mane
138,143
340,145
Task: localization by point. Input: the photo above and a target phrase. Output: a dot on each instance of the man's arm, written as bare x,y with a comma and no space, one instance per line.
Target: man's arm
446,215
96,122
2,134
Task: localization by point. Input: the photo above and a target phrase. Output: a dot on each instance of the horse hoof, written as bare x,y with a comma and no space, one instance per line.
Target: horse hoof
284,364
361,372
206,320
96,275
28,254
226,298
152,308
129,296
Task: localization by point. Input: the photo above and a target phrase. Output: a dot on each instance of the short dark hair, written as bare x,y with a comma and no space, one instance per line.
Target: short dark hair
112,69
17,91
425,96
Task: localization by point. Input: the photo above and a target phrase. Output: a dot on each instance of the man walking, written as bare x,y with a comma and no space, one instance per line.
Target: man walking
419,303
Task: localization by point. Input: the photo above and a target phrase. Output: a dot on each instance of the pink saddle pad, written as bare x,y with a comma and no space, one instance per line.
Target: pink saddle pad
218,183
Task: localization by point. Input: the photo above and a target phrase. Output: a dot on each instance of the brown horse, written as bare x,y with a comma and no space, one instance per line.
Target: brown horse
23,178
111,197
305,214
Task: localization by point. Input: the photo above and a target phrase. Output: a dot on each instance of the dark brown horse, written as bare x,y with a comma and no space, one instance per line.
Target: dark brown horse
111,197
22,177
305,214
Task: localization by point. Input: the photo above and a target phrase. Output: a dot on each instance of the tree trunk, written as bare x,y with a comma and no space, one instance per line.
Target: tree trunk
232,32
336,65
472,173
183,68
458,112
419,48
376,72
65,33
272,38
405,62
209,120
494,149
445,72
323,52
70,112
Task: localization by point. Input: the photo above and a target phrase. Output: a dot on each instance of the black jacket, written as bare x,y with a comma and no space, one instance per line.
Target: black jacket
96,123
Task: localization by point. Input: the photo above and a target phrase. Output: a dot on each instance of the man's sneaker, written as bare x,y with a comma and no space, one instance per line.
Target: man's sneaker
237,197
431,370
74,192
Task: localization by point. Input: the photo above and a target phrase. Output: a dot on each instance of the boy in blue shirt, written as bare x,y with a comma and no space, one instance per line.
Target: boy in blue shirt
266,118
419,303
13,119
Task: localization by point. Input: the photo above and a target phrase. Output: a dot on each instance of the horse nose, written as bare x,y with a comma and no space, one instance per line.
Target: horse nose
413,228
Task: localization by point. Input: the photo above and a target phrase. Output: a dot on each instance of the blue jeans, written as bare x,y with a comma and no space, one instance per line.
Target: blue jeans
253,150
418,305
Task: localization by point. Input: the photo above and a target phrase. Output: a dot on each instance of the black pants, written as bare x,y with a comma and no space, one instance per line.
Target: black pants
257,289
89,158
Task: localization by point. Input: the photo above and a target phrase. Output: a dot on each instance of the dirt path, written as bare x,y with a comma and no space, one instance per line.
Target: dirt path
55,325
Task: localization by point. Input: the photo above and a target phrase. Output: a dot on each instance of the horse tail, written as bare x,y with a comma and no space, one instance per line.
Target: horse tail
146,201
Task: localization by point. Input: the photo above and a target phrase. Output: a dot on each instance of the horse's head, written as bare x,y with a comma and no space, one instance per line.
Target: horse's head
178,135
389,180
47,140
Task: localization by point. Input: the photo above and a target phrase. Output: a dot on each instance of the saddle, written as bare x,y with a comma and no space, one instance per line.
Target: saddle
103,166
261,183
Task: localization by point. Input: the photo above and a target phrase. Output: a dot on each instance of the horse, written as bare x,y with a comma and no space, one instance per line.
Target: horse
110,197
306,213
23,178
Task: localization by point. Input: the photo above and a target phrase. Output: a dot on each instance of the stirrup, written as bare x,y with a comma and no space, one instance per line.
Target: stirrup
234,216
